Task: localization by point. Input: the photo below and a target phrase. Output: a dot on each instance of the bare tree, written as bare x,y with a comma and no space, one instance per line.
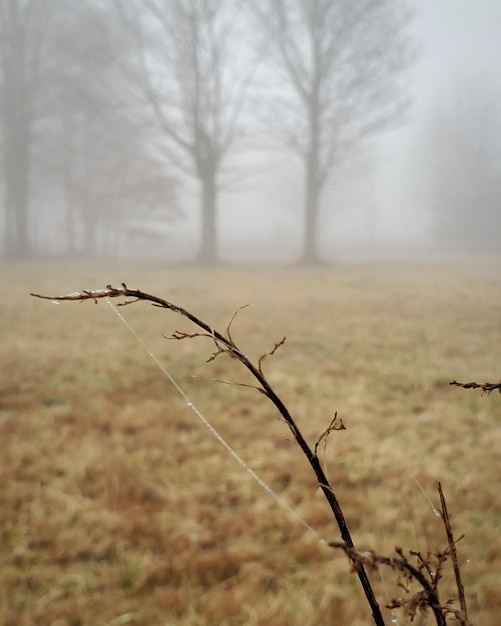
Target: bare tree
339,69
195,75
109,181
84,107
23,31
91,150
461,154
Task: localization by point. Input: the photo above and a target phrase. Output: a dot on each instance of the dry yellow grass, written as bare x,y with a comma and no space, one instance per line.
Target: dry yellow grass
118,507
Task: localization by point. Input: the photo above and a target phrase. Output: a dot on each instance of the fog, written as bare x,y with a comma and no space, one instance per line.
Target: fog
214,131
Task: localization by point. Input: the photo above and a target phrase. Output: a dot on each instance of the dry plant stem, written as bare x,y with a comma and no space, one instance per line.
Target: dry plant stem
452,548
371,559
485,387
226,345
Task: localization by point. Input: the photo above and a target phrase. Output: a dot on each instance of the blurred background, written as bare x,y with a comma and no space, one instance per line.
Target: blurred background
273,130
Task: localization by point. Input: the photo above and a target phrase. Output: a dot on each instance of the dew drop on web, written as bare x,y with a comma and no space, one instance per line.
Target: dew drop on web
55,302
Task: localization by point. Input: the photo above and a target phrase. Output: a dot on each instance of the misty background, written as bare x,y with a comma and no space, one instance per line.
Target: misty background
277,130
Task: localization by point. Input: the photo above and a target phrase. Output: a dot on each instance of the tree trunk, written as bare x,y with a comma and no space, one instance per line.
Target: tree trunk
208,247
86,199
312,197
18,81
67,183
69,209
17,171
313,187
16,164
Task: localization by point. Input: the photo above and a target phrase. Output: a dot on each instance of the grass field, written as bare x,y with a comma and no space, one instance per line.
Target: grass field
117,506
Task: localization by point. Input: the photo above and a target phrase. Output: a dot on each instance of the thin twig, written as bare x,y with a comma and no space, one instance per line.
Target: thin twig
485,387
270,353
334,425
453,551
226,345
372,560
229,382
228,328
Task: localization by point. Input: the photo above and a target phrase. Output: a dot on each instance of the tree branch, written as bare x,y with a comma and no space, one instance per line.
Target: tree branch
225,344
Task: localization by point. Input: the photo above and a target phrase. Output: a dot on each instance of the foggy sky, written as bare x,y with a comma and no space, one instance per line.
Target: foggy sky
459,40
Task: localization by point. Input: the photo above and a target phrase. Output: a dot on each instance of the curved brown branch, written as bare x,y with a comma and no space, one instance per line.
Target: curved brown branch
225,344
